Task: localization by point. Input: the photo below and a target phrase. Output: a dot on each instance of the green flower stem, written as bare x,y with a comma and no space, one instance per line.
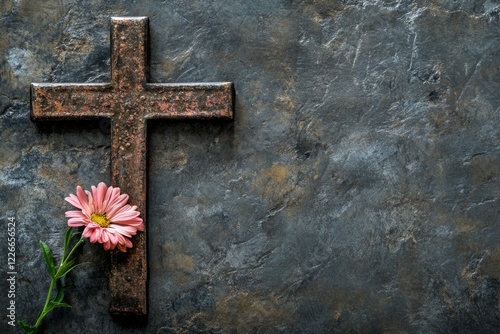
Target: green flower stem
64,260
65,266
54,280
47,300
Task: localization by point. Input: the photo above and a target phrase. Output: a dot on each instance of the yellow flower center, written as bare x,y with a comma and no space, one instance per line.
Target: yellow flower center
101,220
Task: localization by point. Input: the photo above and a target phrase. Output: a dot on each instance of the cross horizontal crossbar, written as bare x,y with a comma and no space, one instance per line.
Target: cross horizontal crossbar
153,100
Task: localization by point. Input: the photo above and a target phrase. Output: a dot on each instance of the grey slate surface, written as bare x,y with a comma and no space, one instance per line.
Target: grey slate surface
356,191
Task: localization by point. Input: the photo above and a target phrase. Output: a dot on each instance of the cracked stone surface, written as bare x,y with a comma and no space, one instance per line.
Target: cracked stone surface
356,191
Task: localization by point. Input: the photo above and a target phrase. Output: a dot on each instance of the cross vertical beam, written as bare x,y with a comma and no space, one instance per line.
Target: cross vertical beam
128,157
130,101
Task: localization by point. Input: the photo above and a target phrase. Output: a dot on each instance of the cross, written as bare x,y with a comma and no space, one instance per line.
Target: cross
130,101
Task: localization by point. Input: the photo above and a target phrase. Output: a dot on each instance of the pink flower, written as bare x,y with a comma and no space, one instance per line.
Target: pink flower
107,217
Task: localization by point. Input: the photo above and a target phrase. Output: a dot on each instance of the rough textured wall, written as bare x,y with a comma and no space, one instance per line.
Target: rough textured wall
356,191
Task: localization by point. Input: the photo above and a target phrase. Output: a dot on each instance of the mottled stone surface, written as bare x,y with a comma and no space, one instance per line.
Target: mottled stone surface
356,191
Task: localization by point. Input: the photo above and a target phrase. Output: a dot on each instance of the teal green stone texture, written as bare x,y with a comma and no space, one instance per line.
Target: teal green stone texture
357,190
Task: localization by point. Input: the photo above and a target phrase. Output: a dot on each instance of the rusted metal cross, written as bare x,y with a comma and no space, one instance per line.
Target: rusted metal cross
129,100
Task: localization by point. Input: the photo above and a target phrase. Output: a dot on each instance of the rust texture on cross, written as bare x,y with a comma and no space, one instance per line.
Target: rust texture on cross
130,101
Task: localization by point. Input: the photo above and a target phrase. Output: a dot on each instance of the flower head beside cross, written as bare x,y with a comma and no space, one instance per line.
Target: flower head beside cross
107,217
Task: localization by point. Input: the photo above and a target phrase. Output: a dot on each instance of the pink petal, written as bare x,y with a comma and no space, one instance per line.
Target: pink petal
123,243
83,200
105,236
75,222
128,243
124,208
87,232
136,222
127,215
75,213
73,200
91,201
128,231
113,238
99,194
115,197
117,205
107,198
96,234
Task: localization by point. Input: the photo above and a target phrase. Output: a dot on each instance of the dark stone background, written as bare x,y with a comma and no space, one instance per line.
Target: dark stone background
356,191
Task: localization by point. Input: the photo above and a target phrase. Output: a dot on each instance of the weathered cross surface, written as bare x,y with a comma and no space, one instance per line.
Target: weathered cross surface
129,100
